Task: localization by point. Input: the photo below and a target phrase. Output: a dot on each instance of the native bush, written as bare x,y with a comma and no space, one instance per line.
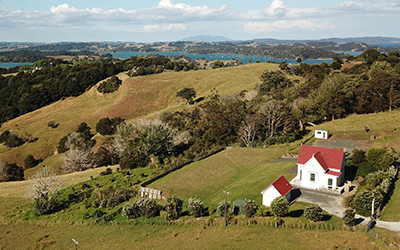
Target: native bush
109,86
314,213
349,217
12,172
195,207
221,207
30,162
280,206
363,201
250,208
173,207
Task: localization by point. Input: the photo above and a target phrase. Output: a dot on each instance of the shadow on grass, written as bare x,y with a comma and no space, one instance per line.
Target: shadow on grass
358,221
326,217
296,213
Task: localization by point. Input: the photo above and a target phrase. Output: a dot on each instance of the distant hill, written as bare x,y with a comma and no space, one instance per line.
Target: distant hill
204,38
367,40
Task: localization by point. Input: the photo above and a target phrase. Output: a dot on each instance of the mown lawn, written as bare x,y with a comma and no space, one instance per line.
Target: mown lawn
243,172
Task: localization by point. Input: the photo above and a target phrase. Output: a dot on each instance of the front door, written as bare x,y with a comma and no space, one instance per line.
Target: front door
330,181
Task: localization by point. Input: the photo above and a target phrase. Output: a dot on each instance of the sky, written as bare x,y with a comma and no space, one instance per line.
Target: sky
172,20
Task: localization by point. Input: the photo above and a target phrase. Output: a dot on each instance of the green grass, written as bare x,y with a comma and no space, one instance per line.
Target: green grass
391,211
243,172
41,235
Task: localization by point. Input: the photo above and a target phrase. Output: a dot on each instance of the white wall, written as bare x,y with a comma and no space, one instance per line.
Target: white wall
269,195
321,134
321,179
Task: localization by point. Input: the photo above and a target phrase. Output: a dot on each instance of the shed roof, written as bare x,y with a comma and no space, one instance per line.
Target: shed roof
282,185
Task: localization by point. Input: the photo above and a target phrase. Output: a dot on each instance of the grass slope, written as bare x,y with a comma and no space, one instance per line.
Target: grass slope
244,172
136,98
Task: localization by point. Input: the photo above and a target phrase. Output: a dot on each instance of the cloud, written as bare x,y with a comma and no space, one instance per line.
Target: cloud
350,6
275,10
260,27
170,27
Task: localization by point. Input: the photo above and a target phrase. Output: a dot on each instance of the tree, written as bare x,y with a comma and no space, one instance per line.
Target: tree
79,156
173,207
273,116
314,213
218,64
272,81
299,60
250,208
12,172
187,93
195,207
109,86
349,217
30,161
221,207
280,206
43,190
249,129
104,126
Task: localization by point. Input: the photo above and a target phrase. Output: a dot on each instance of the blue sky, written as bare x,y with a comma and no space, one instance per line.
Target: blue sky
171,20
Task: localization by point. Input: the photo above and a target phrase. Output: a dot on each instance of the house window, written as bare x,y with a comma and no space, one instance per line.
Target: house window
312,177
318,132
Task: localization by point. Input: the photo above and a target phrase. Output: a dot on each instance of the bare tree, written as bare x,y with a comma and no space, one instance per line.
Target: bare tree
43,190
80,155
273,115
248,130
125,132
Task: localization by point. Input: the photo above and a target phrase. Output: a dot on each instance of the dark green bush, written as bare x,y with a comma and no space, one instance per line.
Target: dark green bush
314,213
30,162
363,201
109,86
173,207
280,206
11,172
250,208
349,217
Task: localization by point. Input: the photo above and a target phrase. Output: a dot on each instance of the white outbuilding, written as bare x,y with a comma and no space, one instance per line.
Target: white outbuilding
280,187
321,134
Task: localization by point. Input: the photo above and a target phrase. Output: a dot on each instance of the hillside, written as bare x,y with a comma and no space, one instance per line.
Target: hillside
136,98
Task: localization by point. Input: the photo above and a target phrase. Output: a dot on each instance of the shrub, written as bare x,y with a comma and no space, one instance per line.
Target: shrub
131,210
12,172
365,168
11,140
195,207
263,211
142,207
280,206
363,201
108,171
314,213
109,86
110,197
250,208
349,217
44,189
221,207
52,124
173,207
187,93
30,161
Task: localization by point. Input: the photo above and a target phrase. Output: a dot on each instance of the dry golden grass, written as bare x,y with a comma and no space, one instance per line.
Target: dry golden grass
17,189
137,97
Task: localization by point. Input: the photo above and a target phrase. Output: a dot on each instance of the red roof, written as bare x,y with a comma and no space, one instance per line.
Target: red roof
333,173
327,157
282,185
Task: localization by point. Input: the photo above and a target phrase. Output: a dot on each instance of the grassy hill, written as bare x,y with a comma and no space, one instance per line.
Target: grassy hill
137,97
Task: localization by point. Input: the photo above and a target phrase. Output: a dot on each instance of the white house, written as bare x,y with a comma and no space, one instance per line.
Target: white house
280,187
321,134
319,167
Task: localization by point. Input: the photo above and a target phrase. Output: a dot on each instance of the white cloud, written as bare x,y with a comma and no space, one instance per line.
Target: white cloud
170,27
350,6
260,27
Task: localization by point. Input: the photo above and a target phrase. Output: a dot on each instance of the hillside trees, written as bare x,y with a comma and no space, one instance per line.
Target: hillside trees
11,172
187,93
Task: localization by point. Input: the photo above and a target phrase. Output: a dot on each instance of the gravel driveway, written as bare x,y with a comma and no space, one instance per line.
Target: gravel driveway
328,201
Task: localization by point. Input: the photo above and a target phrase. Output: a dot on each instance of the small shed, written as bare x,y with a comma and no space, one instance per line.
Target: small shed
280,187
321,134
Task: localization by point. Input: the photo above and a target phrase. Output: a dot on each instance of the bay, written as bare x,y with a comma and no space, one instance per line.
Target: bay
222,57
12,65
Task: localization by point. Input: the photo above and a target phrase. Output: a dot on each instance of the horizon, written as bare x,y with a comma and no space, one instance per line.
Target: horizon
52,21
